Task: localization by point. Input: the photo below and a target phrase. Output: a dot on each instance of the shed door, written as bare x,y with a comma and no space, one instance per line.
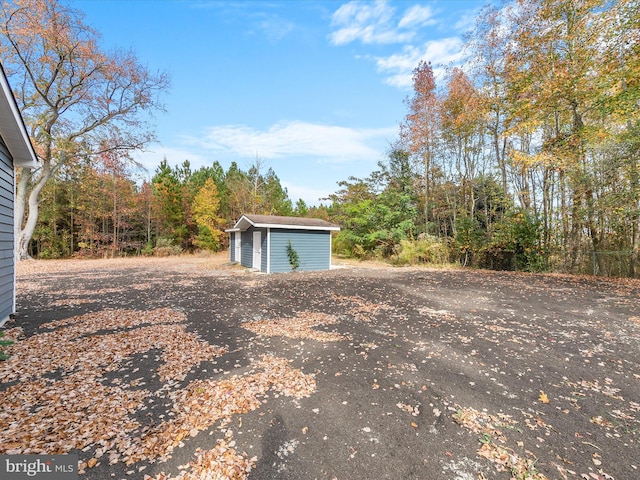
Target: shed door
238,246
257,249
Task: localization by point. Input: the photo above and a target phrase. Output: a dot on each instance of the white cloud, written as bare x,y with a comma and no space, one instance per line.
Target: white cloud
417,16
466,21
151,158
399,67
371,23
325,143
274,27
310,195
378,22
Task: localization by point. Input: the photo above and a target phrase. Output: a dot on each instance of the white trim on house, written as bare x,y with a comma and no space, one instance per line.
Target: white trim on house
14,132
20,154
16,228
268,250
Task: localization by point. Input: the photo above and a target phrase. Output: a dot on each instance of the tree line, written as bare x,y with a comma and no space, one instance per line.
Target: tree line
98,208
526,157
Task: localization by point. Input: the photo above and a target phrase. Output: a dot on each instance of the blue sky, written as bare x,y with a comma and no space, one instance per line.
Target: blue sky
315,89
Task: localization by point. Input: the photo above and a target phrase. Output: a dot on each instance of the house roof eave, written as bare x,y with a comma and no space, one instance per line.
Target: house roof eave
295,227
296,223
12,128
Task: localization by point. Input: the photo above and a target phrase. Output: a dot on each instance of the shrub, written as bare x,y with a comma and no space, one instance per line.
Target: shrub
294,259
4,343
165,248
515,244
206,239
426,249
348,244
147,251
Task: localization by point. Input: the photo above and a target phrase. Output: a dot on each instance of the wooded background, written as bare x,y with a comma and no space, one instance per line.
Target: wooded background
525,158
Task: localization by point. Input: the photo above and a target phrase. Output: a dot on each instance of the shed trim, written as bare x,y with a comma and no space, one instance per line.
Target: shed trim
268,250
267,221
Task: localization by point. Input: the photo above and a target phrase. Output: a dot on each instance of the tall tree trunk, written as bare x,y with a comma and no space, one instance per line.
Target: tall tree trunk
635,248
115,217
427,189
593,231
576,227
564,214
547,208
24,177
499,151
635,218
27,203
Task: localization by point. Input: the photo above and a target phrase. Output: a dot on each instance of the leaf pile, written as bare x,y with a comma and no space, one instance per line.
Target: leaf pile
298,327
54,417
220,463
493,443
61,401
202,403
98,342
362,310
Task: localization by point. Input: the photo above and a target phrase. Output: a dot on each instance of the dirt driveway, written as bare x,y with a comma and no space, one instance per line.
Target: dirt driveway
173,368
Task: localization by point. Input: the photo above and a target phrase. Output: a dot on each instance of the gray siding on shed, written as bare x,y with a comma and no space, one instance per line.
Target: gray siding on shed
247,248
313,248
232,246
309,237
265,253
7,277
246,253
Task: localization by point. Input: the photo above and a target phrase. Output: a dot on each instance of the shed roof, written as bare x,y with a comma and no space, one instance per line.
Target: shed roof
12,129
275,221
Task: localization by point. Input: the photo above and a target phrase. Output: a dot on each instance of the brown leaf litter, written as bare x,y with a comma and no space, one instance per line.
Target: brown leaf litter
61,400
297,327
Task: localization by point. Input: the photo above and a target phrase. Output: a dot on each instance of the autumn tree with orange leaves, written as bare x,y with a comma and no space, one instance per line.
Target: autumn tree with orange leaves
419,132
526,156
78,101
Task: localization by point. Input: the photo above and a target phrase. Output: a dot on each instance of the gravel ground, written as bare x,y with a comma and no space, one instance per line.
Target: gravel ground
187,367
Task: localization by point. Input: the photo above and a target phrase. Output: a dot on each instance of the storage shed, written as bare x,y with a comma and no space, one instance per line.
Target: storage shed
261,242
15,151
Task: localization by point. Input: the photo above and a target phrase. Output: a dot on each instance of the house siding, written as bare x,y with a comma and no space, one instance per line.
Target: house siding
232,246
246,253
246,248
7,252
311,239
313,248
264,258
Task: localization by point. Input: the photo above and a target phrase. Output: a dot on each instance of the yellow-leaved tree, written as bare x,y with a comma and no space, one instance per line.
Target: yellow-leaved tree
205,211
